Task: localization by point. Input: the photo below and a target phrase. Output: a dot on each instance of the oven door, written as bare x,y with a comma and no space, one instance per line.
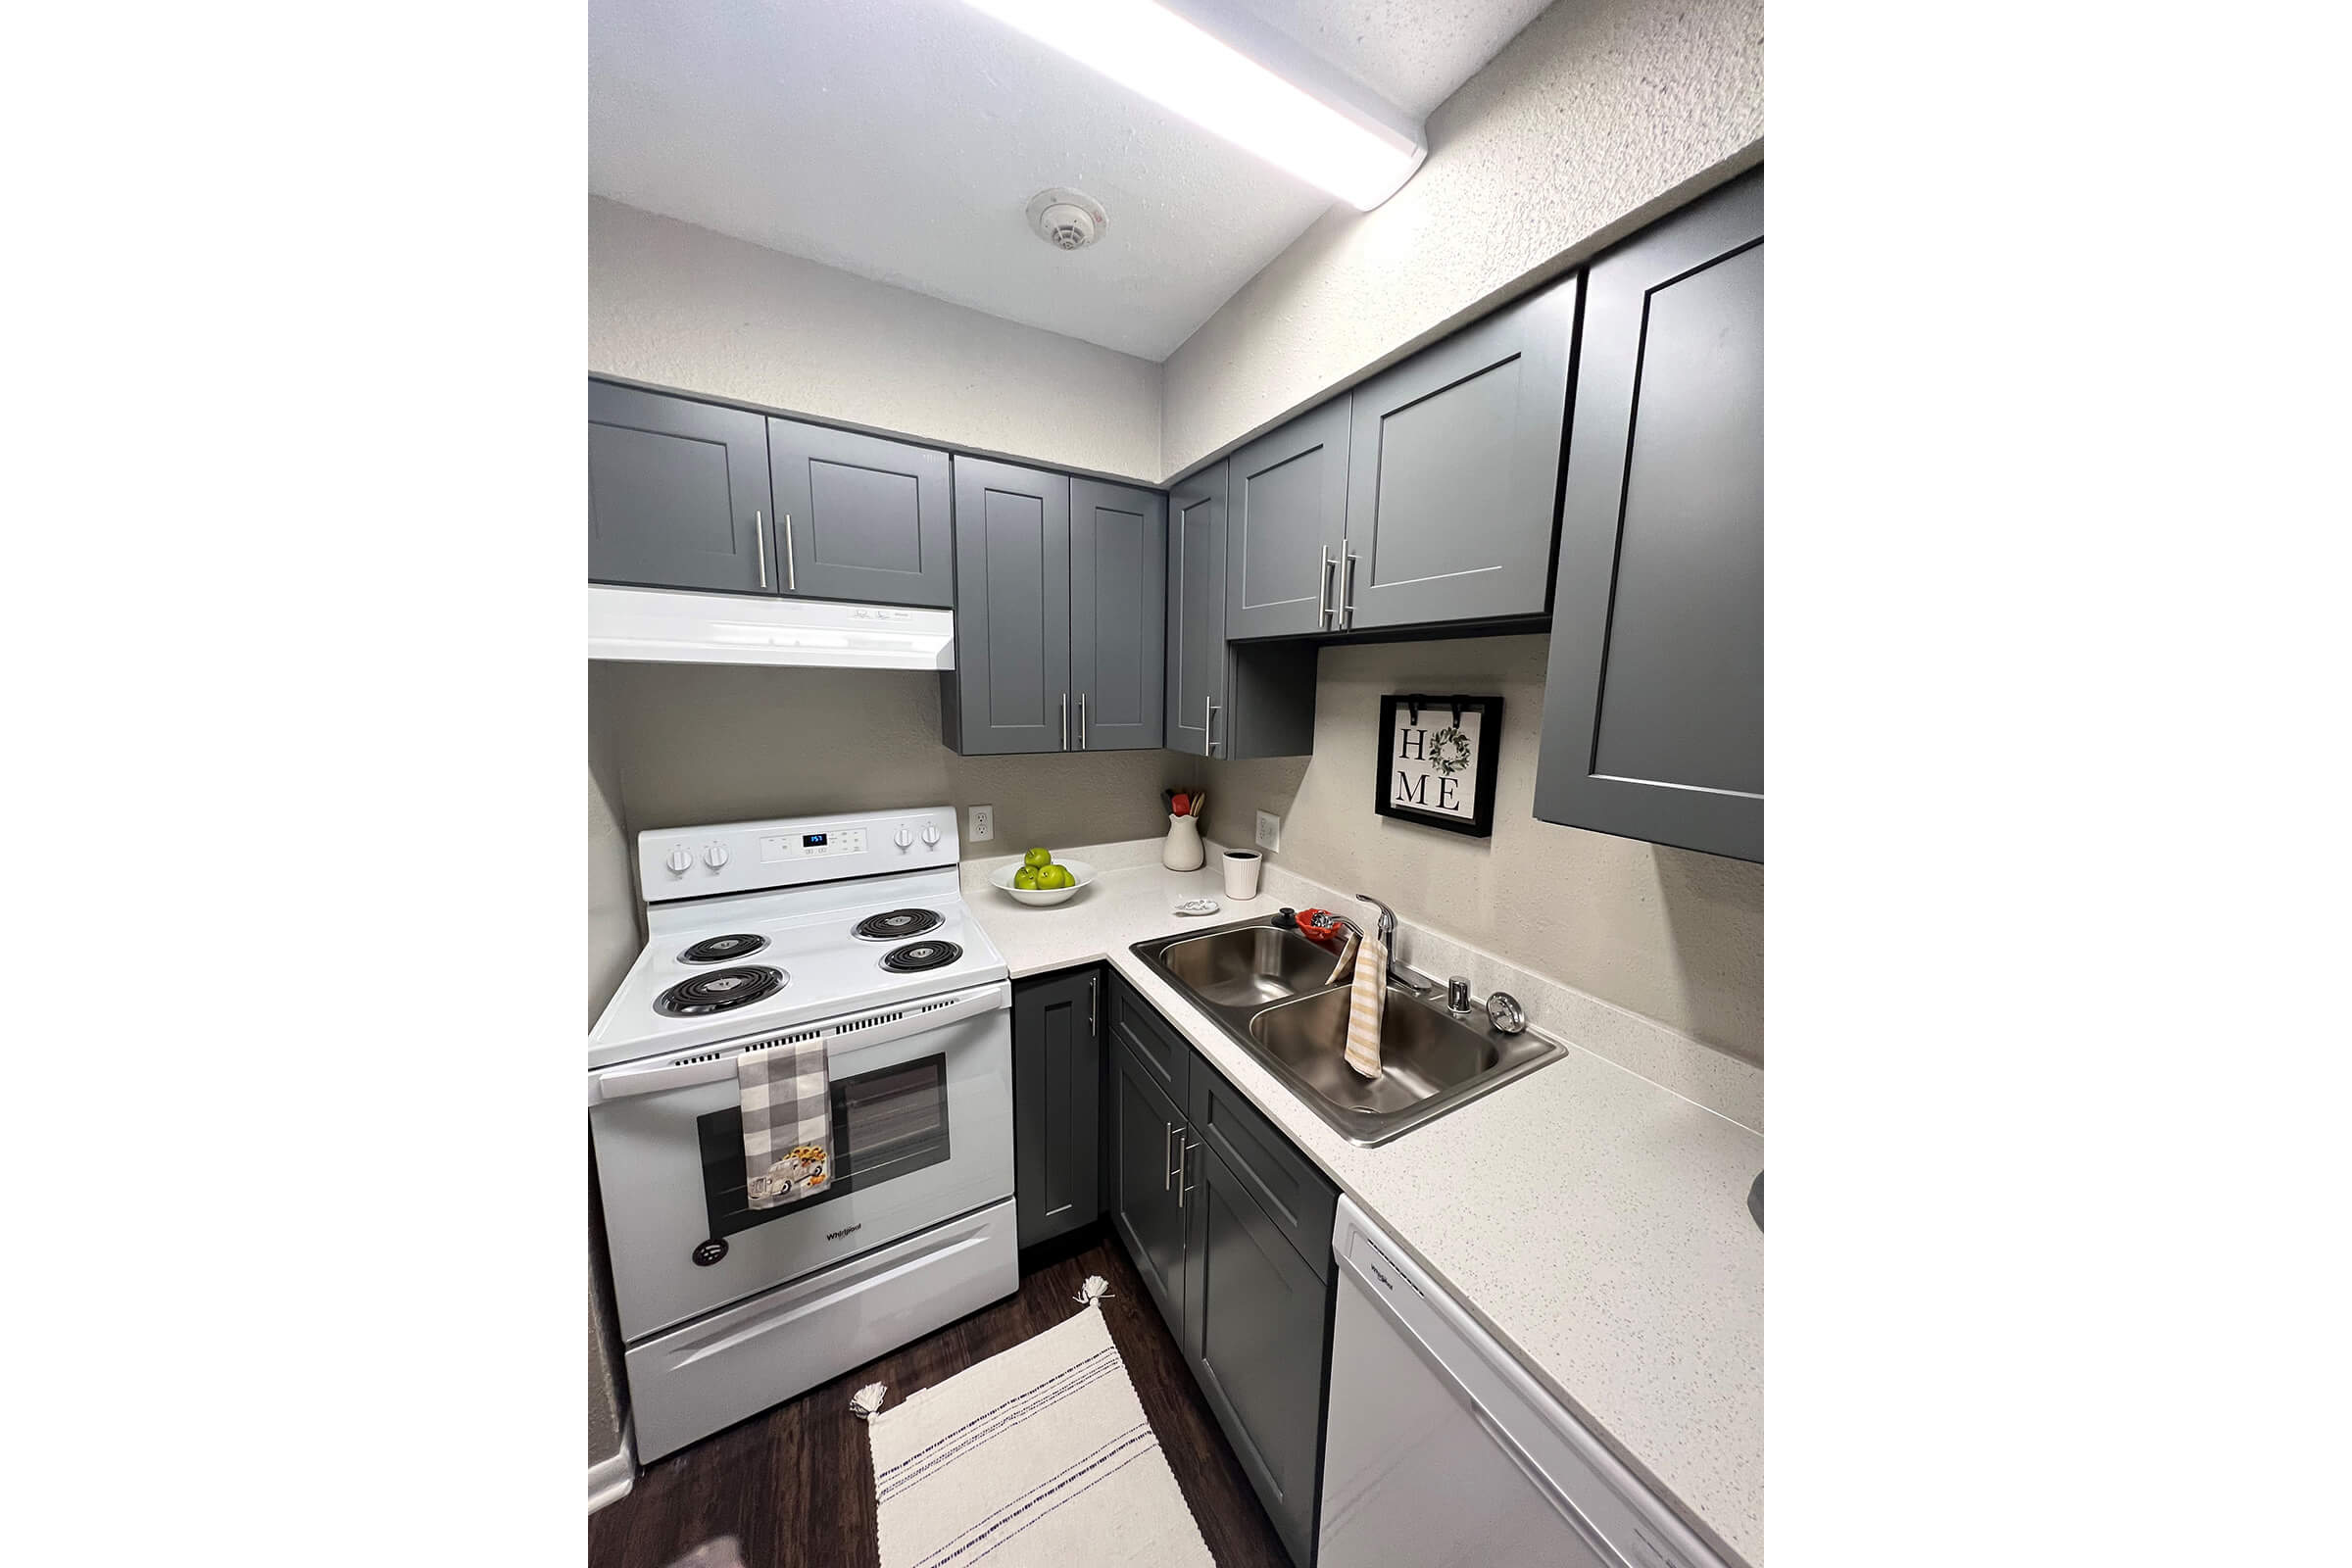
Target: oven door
923,1131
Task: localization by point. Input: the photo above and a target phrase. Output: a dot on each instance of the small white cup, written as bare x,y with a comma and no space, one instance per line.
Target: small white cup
1241,873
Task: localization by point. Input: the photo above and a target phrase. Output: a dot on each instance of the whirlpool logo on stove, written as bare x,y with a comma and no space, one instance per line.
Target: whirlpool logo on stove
835,1236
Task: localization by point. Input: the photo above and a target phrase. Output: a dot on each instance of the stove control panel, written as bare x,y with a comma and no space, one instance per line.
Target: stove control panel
693,863
813,845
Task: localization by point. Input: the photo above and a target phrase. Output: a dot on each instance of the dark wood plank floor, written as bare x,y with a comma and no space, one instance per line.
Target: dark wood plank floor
796,1485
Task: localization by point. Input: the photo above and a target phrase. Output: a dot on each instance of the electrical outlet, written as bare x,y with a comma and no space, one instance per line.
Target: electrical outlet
1269,832
983,824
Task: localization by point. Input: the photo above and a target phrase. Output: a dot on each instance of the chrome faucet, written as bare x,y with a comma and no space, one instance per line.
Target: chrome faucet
1399,975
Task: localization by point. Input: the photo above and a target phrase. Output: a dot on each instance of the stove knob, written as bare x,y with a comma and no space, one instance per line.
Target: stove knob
681,861
931,833
904,838
716,856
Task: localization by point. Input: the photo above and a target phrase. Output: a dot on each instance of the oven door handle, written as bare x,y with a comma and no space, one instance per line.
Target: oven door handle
615,1083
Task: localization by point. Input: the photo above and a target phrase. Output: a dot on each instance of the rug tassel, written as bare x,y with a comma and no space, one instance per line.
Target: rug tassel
1094,1289
866,1402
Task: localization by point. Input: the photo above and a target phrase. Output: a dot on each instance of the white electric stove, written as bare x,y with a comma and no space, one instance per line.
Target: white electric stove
850,928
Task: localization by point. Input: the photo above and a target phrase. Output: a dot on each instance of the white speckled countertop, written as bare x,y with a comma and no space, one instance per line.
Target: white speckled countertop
1594,1221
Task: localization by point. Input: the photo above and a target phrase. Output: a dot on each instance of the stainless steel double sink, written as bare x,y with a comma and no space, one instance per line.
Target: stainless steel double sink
1269,990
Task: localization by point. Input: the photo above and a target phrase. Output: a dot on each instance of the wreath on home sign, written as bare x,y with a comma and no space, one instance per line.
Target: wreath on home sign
1450,751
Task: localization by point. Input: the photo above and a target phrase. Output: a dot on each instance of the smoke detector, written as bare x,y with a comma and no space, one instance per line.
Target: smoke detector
1066,220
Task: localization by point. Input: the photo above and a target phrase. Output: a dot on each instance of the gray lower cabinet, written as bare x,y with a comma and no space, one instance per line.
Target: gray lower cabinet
861,517
1287,506
1230,1227
677,494
1256,1318
1010,688
1118,610
1056,1103
1225,700
1654,706
1454,468
1144,1206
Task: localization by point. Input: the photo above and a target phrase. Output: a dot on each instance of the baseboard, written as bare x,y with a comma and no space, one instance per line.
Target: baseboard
610,1478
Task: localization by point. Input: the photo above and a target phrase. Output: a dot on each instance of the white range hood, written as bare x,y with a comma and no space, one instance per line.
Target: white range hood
648,624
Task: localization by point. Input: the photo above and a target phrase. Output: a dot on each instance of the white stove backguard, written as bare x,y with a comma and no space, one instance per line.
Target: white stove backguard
694,862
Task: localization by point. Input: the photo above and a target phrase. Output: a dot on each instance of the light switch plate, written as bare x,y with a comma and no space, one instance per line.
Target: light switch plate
1269,832
983,826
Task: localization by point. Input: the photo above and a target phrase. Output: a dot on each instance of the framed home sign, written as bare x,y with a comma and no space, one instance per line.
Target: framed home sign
1437,761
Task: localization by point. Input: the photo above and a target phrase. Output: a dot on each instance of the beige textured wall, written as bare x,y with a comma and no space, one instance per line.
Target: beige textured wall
713,743
683,307
613,934
1673,934
1599,116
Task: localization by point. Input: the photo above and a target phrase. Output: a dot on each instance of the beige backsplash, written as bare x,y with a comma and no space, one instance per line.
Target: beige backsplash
718,742
1672,934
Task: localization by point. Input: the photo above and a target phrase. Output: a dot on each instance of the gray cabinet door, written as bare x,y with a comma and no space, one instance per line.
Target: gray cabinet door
1012,681
861,517
1253,1332
1286,524
1196,609
1143,1200
1454,468
677,494
1654,706
1118,610
1056,1103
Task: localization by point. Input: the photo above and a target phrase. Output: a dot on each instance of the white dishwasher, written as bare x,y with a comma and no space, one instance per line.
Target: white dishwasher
1443,1451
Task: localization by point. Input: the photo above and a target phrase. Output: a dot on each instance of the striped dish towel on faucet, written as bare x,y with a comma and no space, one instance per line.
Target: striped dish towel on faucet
787,1102
1365,998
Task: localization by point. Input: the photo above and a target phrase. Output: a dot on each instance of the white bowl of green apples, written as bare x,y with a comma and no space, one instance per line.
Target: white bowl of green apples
1040,879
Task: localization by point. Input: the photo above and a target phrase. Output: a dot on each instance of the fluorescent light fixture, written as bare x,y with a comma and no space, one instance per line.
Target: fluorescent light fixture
1358,150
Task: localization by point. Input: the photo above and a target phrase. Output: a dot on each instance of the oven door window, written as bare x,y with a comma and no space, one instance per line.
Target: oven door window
886,1123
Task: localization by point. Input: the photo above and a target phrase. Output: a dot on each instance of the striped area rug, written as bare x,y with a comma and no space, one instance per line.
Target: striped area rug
1040,1456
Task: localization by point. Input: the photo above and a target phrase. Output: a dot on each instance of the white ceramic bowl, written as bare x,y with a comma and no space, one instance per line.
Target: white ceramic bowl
1081,874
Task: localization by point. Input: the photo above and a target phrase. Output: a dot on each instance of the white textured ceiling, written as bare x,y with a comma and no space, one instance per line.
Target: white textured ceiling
901,140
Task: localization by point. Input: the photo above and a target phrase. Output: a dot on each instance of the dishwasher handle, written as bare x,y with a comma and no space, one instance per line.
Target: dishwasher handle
1570,1514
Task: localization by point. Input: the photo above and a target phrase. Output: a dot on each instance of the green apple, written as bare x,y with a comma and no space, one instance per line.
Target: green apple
1026,878
1055,876
1038,857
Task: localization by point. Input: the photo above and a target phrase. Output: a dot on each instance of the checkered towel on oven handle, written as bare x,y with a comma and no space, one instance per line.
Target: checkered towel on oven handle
787,1122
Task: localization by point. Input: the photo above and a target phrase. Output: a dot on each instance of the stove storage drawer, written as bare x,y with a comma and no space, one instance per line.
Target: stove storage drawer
715,1371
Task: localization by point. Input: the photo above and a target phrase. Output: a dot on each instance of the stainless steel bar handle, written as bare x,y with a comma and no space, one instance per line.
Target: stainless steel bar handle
1347,596
1323,589
1169,1161
1208,727
1184,1182
1066,722
792,573
760,538
1082,721
1092,1027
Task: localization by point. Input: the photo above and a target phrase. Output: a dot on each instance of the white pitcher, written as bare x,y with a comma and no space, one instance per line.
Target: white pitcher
1183,851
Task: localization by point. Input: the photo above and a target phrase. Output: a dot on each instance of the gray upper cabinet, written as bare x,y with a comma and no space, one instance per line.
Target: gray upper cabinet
1225,700
1454,472
1196,608
1287,512
861,517
1654,706
677,494
1118,610
1010,688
